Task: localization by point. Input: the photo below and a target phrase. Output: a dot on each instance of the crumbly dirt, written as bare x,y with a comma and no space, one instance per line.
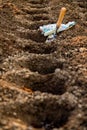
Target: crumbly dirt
43,86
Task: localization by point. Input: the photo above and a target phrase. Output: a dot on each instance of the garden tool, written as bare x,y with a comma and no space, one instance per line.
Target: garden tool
51,30
58,24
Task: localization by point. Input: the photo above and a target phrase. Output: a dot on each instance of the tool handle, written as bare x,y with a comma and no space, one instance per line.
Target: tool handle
61,16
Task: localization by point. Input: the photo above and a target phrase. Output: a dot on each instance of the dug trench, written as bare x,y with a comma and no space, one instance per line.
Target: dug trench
42,85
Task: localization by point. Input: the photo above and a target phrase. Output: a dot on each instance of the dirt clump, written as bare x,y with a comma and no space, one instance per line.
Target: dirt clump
43,86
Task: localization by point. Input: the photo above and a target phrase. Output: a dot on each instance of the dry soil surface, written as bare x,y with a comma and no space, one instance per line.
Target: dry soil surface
43,86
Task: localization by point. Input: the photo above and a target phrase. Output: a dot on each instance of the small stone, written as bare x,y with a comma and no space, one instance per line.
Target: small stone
0,99
82,49
80,106
14,113
4,122
79,115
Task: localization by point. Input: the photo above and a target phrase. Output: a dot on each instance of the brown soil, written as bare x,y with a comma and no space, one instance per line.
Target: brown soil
43,86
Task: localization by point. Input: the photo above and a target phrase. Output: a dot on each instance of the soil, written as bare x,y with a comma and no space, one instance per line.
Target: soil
43,86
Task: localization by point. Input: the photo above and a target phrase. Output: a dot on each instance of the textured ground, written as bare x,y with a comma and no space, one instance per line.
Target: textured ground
43,86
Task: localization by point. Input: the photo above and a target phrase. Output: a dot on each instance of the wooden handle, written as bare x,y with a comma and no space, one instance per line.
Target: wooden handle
61,16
